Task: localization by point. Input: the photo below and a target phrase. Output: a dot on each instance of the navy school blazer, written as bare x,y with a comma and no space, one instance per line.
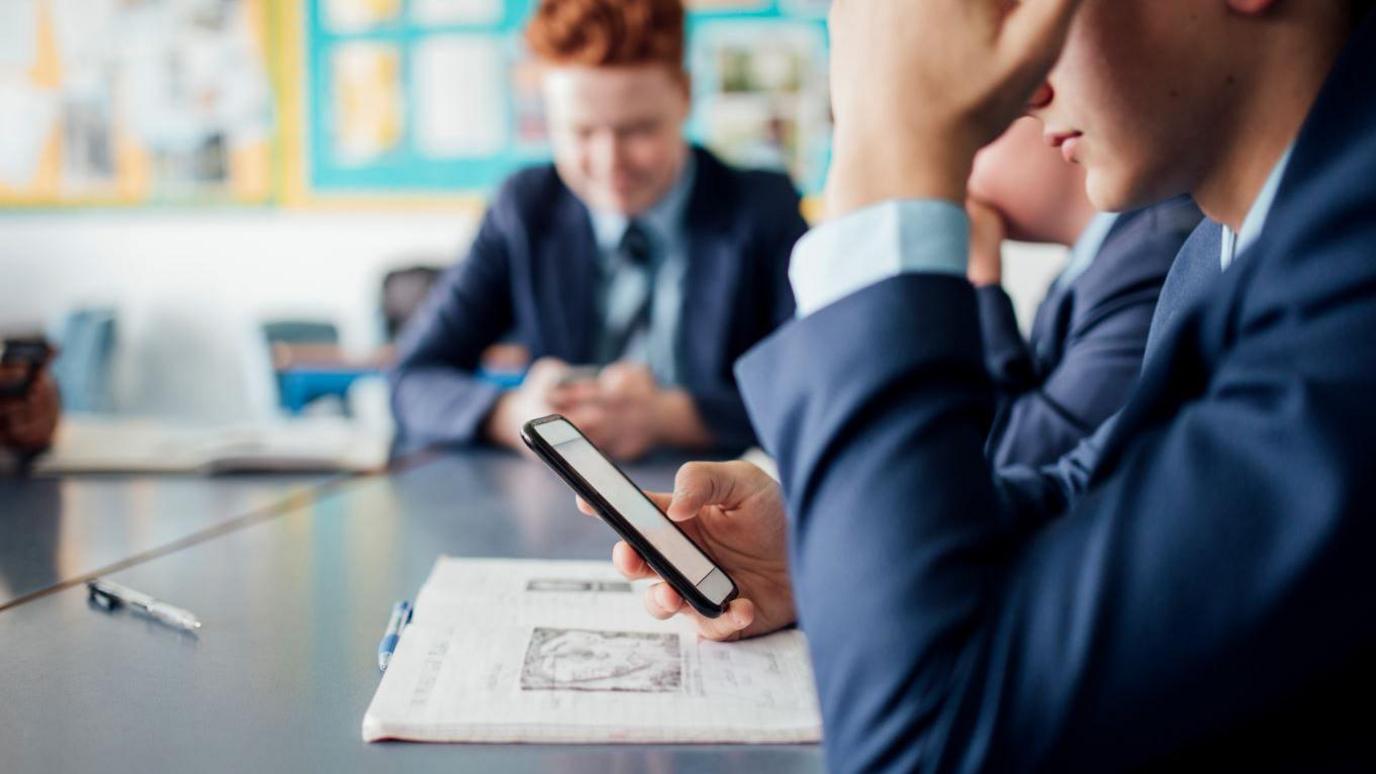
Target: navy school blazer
1082,358
1203,604
532,275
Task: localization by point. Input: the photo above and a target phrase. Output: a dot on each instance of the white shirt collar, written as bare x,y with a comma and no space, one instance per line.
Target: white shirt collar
1234,244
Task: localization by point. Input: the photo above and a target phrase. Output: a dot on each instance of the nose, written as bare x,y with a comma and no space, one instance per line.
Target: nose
1041,97
609,152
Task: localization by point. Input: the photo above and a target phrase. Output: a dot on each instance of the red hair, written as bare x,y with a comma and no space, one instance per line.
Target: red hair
608,33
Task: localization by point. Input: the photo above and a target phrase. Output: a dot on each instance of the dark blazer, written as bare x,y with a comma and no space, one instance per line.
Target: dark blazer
1084,353
532,273
1206,603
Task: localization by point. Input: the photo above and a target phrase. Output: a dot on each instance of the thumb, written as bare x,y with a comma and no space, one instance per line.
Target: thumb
698,485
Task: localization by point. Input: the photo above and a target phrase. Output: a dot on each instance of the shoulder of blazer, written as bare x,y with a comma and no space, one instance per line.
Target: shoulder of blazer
1143,245
728,198
532,199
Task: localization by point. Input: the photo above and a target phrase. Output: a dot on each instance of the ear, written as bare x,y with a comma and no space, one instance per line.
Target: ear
1251,7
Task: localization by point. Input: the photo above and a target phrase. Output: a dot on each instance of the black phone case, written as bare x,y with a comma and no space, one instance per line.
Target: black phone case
29,353
661,565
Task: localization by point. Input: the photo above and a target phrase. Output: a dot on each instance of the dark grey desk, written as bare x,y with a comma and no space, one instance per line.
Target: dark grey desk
57,529
279,678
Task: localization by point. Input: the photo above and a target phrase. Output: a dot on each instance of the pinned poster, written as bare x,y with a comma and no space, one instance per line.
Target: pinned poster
761,96
460,106
437,13
21,144
18,44
368,108
360,15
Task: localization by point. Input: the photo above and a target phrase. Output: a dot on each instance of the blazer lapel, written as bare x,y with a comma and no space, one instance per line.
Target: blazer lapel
715,262
570,300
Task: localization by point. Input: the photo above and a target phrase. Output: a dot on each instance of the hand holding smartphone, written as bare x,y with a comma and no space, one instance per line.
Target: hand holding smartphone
665,548
20,361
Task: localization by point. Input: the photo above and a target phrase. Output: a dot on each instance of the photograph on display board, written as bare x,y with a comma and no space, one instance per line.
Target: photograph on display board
128,101
351,16
761,98
368,110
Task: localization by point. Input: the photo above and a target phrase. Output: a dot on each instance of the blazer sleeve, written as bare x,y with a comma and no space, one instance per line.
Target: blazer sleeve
1042,416
1094,377
945,637
437,399
1006,353
719,402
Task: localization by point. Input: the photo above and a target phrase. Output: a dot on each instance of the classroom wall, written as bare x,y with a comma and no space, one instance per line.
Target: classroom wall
191,286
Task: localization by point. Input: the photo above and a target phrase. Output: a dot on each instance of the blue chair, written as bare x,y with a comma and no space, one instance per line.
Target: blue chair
86,343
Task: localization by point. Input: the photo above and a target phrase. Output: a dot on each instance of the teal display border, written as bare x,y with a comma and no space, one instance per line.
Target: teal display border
405,170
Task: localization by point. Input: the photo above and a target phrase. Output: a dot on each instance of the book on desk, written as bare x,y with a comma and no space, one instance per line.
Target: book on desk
95,444
563,652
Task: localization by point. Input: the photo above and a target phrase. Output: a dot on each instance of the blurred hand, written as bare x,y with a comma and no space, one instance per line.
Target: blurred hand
29,423
918,86
630,401
540,394
735,513
987,232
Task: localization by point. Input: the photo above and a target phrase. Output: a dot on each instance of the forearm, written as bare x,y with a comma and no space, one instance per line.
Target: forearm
946,635
1006,353
435,405
893,511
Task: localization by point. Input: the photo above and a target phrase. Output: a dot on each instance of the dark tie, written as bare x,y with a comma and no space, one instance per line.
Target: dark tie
629,298
1195,268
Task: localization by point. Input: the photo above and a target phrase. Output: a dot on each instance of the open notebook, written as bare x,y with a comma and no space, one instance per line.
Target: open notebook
543,651
87,444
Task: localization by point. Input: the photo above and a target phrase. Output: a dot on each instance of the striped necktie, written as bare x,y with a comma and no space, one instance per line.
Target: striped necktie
627,322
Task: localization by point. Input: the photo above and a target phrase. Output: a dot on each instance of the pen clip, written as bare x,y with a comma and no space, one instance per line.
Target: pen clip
102,598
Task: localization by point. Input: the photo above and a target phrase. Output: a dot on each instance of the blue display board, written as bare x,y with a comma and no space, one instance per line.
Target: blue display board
438,96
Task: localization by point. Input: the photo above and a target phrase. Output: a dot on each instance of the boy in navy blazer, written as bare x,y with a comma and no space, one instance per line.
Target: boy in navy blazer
633,253
1081,359
1204,601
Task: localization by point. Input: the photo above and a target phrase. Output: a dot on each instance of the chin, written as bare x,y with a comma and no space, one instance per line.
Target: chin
1120,190
607,200
1110,192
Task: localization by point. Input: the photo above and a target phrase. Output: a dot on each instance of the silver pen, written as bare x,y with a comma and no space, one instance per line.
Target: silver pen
111,595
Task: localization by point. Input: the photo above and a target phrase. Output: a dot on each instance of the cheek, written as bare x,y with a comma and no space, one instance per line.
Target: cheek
647,154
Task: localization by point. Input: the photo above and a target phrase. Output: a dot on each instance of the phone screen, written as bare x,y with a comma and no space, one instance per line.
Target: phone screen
626,498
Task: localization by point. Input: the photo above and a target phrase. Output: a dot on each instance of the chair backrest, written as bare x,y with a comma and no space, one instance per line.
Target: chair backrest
86,344
300,332
403,292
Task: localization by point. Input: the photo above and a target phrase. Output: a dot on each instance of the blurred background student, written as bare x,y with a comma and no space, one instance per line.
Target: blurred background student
1085,349
647,262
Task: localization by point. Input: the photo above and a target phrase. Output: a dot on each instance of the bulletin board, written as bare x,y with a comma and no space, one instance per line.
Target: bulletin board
311,103
438,97
131,102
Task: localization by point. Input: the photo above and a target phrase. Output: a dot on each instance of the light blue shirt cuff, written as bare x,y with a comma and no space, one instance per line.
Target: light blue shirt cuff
885,240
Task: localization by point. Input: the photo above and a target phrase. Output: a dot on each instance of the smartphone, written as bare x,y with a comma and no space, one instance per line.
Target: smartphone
578,374
25,354
638,521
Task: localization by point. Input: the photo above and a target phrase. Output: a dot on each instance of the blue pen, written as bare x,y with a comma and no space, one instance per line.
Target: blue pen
401,615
